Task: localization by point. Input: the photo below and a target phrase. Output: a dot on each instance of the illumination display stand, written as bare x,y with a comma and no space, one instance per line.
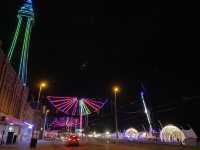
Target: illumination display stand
76,106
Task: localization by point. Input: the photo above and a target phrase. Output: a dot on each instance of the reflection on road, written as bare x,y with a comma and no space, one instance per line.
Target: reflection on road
81,147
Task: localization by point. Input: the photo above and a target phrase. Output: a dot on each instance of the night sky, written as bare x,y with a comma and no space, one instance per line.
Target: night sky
84,48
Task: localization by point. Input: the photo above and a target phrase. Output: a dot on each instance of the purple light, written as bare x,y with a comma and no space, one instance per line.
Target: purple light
30,126
142,93
65,122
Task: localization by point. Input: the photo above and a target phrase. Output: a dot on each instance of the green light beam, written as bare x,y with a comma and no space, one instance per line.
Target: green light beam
27,49
11,50
23,55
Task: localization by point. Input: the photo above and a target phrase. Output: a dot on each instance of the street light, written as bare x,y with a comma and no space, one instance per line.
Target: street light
42,85
116,90
45,120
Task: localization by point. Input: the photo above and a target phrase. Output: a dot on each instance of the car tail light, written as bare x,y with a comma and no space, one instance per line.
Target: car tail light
69,139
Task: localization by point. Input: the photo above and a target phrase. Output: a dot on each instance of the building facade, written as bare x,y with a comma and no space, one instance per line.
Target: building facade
15,113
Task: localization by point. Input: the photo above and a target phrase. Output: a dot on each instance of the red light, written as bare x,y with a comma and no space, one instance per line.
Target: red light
69,139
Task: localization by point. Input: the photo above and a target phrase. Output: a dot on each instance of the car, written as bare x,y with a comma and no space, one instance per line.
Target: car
73,140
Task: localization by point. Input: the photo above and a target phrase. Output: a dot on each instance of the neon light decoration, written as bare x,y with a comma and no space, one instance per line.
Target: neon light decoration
171,133
76,107
25,16
146,112
65,122
131,133
143,135
30,126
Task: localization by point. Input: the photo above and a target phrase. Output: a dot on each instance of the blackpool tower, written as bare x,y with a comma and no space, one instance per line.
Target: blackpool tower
21,40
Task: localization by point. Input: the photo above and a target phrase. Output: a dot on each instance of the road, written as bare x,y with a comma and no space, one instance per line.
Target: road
95,146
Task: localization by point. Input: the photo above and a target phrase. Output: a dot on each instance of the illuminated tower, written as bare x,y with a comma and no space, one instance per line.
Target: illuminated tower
146,112
25,21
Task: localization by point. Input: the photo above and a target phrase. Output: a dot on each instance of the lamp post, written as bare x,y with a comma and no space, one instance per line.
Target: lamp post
45,120
42,85
116,90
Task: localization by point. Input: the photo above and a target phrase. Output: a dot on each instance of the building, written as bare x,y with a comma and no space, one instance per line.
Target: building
15,113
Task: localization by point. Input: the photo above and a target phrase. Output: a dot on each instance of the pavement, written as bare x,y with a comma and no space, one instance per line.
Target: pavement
95,146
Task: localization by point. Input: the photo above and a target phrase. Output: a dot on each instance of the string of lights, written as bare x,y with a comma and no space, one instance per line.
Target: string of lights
74,106
65,122
25,14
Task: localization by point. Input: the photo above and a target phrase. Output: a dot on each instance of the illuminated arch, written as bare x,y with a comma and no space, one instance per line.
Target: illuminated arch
131,133
171,133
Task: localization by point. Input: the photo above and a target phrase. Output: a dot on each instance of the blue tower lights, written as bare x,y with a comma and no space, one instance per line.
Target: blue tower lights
27,10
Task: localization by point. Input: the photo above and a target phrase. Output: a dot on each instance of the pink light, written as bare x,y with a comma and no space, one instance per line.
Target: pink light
62,122
69,105
91,105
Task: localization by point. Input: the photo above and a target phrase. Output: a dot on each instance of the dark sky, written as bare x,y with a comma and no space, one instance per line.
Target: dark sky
83,48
